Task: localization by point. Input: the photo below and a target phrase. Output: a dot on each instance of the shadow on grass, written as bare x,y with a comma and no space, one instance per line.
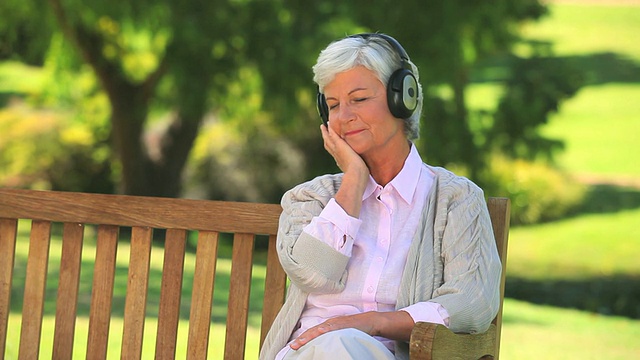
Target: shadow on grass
608,198
596,68
607,295
612,295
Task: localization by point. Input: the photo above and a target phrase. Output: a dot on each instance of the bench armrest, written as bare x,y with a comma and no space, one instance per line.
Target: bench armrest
434,341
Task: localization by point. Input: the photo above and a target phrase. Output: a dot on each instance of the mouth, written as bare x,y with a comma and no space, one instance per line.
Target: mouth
352,132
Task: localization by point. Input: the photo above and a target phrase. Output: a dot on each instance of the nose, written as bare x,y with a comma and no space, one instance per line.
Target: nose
343,113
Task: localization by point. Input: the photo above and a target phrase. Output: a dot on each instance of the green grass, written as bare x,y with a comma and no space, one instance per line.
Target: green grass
592,245
532,332
19,78
601,125
601,130
585,29
529,331
215,349
219,308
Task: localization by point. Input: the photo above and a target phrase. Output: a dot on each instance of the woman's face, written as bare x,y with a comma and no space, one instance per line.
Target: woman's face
358,112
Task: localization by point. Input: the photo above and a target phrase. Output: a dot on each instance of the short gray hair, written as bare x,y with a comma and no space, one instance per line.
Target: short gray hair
376,54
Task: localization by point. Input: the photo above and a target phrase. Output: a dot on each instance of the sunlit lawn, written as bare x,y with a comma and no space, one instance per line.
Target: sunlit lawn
587,28
219,309
592,245
216,339
601,124
601,130
529,331
590,121
603,118
532,332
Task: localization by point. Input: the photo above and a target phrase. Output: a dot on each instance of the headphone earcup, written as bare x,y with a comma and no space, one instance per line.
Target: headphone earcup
402,93
323,109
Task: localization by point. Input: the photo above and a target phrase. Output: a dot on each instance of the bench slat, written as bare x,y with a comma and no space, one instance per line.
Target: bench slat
239,290
124,210
200,317
67,302
8,232
102,291
34,288
136,298
170,294
500,212
275,282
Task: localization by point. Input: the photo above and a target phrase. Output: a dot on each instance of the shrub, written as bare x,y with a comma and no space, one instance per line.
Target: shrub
538,192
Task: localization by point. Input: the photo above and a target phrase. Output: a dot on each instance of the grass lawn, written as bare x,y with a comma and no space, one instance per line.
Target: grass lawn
601,130
588,28
585,254
532,332
601,124
219,308
216,339
592,245
20,78
529,330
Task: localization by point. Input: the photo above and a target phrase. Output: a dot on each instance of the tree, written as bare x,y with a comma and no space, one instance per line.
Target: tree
197,48
166,65
446,39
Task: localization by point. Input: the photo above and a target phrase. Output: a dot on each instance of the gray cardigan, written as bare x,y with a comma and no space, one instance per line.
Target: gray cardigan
452,260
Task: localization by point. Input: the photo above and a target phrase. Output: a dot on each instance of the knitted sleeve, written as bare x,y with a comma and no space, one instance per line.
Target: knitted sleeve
311,264
471,271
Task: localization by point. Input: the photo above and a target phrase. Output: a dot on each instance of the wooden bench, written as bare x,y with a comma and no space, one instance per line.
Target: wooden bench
118,221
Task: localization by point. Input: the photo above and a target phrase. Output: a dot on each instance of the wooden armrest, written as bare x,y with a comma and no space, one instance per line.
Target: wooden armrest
434,341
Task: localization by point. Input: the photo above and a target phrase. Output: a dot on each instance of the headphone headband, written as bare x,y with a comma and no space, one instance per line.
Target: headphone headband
390,40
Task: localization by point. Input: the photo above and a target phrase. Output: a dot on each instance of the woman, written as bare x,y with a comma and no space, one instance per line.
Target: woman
388,242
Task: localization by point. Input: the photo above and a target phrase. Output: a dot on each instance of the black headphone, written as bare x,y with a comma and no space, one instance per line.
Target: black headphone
402,88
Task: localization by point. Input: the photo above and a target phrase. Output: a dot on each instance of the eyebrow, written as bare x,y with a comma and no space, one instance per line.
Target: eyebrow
350,92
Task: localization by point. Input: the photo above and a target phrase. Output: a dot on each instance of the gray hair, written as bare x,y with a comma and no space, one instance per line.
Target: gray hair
374,53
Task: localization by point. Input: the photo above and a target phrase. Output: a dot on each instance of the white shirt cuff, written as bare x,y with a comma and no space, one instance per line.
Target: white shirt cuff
335,227
428,311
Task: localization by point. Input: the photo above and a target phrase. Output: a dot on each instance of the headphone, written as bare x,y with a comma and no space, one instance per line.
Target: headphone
402,88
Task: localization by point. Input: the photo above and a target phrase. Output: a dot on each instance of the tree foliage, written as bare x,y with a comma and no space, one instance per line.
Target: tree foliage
181,87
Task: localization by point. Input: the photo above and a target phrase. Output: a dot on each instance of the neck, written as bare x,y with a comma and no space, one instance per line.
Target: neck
386,167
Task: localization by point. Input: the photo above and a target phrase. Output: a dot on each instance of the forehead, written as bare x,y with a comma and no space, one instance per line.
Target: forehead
357,78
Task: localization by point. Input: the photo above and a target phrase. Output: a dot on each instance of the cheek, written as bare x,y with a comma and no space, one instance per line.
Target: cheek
334,125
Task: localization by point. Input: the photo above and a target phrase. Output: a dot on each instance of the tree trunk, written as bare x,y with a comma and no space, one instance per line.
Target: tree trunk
468,150
141,174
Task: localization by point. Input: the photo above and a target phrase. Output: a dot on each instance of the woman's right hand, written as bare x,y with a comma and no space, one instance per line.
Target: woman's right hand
346,158
356,172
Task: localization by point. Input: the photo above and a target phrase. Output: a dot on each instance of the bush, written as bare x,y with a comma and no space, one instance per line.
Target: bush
538,192
43,149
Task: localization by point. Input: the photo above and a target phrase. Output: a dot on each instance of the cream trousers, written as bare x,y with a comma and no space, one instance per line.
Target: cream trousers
342,345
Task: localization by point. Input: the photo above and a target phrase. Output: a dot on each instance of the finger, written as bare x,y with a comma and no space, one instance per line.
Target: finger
311,334
324,129
329,140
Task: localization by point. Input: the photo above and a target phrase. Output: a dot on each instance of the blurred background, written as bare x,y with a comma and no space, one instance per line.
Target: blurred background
535,100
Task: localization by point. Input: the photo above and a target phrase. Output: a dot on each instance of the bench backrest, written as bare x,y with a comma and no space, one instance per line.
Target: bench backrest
110,213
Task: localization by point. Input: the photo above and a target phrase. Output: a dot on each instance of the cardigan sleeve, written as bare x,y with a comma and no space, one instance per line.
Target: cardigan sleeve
471,275
311,264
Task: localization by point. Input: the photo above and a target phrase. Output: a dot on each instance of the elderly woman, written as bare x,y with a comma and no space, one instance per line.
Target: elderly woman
388,242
